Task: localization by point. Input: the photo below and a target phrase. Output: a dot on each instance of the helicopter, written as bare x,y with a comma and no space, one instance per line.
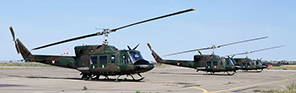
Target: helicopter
94,61
249,64
209,63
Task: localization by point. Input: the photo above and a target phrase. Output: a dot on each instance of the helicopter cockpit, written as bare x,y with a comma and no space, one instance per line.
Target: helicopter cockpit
135,55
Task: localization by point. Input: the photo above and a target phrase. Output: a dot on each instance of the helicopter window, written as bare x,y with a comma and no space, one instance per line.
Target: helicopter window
258,63
113,59
261,62
125,59
209,63
215,63
81,52
94,60
135,56
103,59
248,64
228,62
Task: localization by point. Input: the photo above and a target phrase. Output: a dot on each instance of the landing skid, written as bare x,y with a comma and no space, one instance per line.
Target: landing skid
96,77
230,73
132,77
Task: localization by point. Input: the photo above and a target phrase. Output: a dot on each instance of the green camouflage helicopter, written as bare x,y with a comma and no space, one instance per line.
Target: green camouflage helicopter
249,64
209,63
95,60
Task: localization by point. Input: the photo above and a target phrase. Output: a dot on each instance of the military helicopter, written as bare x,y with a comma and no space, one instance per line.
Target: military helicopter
209,63
249,64
95,60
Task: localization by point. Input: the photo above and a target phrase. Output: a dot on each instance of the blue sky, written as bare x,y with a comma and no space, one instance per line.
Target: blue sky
214,22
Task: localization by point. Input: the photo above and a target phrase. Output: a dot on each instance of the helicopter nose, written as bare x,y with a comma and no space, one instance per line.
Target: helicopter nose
264,66
142,66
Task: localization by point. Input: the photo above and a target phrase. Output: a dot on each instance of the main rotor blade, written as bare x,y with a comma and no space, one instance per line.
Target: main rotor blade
180,12
266,48
217,46
68,40
187,51
12,33
238,54
112,30
136,47
243,41
258,50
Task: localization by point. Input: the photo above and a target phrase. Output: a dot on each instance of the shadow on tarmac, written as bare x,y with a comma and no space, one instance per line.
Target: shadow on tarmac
105,80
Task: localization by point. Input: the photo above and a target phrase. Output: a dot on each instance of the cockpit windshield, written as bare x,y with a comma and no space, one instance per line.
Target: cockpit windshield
233,61
229,62
135,56
261,62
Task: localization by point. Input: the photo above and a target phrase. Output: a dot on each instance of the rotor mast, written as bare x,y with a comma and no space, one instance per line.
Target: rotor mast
106,33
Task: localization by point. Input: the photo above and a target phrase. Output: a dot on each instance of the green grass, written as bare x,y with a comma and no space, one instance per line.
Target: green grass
229,83
266,91
281,68
138,91
185,86
291,88
84,88
169,90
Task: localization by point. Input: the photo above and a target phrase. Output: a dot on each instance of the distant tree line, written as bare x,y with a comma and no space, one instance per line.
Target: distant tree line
279,63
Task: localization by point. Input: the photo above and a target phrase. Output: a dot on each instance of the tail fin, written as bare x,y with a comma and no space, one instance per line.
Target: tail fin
20,47
156,57
23,50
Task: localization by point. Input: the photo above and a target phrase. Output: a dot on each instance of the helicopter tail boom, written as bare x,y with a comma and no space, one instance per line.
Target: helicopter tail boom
156,57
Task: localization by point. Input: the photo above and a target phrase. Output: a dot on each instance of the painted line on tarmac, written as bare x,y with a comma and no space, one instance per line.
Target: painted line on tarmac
204,91
248,86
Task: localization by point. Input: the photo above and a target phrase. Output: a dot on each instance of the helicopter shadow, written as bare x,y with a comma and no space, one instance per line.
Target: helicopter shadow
199,74
43,77
249,71
114,80
99,80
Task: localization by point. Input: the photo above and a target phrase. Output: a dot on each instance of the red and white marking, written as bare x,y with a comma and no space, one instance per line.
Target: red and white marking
52,61
65,53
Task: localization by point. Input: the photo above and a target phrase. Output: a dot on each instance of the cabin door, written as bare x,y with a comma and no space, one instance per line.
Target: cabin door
84,62
103,61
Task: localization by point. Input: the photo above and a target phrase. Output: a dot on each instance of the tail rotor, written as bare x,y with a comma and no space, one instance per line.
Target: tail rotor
15,41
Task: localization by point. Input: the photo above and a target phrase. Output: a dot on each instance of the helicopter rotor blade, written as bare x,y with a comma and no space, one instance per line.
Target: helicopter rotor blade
107,31
239,54
187,51
136,47
213,47
266,48
68,40
15,42
129,48
180,12
242,41
12,33
258,50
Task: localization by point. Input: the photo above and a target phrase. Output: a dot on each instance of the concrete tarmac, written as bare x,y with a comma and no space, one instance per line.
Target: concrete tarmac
162,79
